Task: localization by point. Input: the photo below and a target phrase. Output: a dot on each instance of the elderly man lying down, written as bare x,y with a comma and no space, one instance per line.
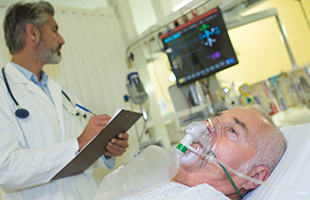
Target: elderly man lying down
250,143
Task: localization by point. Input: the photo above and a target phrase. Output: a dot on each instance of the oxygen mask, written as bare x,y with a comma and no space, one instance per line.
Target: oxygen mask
200,139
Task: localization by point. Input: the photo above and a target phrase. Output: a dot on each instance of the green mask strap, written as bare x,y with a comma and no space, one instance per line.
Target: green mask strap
227,174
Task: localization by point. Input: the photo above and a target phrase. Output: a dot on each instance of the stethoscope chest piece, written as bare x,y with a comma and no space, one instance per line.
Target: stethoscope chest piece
22,113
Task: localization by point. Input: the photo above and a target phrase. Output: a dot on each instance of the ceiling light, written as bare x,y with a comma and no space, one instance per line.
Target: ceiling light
180,5
172,78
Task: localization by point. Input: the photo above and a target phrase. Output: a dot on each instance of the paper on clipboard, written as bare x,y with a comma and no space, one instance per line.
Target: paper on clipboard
120,122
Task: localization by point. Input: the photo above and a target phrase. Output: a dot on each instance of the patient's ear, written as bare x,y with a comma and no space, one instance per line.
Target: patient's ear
259,172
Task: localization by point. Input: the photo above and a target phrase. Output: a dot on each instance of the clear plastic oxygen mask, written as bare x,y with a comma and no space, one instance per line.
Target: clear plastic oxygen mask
201,138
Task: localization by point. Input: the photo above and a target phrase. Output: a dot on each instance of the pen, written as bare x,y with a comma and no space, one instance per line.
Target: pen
85,109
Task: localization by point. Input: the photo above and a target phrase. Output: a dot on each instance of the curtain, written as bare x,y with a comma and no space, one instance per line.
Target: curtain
93,64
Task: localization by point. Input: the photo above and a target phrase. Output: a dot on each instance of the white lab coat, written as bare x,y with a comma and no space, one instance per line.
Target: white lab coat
34,149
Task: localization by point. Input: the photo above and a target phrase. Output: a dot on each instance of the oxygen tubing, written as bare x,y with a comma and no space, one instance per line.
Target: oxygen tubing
258,181
223,165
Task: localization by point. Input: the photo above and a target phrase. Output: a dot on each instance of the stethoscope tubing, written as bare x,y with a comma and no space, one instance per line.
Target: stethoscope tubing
8,88
23,113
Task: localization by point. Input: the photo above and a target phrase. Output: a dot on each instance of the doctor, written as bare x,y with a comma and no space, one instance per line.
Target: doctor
38,133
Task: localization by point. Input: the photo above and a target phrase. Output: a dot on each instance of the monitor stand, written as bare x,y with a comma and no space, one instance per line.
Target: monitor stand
196,94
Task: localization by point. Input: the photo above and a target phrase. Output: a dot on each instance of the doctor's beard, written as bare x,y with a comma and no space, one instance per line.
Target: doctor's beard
49,55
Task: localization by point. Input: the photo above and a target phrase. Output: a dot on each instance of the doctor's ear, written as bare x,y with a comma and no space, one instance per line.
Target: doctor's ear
260,173
32,32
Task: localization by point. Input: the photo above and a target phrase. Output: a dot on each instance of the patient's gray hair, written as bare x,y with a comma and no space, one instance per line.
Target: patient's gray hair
270,147
18,16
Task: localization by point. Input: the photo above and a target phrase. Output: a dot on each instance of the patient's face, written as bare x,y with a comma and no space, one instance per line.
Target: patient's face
236,147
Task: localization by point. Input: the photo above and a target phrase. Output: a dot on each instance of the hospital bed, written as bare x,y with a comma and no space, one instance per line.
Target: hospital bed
292,172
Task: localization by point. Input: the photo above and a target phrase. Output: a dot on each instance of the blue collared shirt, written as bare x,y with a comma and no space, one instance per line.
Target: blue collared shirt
32,77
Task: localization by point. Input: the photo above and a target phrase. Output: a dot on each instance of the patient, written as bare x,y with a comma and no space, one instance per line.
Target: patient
251,143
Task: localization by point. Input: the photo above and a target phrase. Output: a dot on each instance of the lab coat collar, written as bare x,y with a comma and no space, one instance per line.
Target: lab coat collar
19,77
55,90
15,74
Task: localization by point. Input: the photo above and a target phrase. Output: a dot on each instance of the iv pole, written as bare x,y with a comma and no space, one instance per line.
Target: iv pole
304,13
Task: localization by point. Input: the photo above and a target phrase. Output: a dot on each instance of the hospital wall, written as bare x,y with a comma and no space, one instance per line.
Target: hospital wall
259,47
260,50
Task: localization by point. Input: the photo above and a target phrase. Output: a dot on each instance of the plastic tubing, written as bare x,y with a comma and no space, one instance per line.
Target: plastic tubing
252,179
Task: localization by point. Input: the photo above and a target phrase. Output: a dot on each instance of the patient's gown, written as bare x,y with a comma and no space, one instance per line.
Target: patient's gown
176,191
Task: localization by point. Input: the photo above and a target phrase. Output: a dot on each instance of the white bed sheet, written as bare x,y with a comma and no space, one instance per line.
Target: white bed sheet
176,191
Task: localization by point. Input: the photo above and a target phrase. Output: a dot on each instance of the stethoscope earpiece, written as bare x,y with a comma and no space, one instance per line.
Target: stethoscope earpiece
78,113
22,113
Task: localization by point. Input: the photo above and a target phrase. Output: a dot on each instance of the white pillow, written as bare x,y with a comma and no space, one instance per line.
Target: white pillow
293,171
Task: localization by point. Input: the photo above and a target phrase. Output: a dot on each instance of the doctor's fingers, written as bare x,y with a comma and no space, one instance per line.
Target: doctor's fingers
114,150
123,142
123,136
116,147
100,120
95,125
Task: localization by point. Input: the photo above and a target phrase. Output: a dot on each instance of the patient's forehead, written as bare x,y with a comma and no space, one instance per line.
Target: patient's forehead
246,114
253,121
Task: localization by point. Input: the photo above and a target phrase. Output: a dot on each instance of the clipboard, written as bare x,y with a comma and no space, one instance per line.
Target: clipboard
97,146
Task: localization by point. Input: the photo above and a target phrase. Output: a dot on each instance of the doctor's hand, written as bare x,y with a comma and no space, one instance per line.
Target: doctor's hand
94,126
117,146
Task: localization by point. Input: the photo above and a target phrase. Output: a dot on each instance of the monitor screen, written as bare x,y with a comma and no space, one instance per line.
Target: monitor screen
199,48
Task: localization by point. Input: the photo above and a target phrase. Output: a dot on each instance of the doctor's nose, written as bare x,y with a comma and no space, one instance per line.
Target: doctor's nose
61,41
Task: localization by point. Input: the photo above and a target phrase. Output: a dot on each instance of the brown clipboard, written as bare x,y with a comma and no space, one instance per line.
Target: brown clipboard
96,147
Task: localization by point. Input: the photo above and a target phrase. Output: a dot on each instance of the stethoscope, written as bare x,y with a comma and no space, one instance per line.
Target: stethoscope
23,113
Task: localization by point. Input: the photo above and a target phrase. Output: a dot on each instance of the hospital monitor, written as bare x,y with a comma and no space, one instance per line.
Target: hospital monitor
199,48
